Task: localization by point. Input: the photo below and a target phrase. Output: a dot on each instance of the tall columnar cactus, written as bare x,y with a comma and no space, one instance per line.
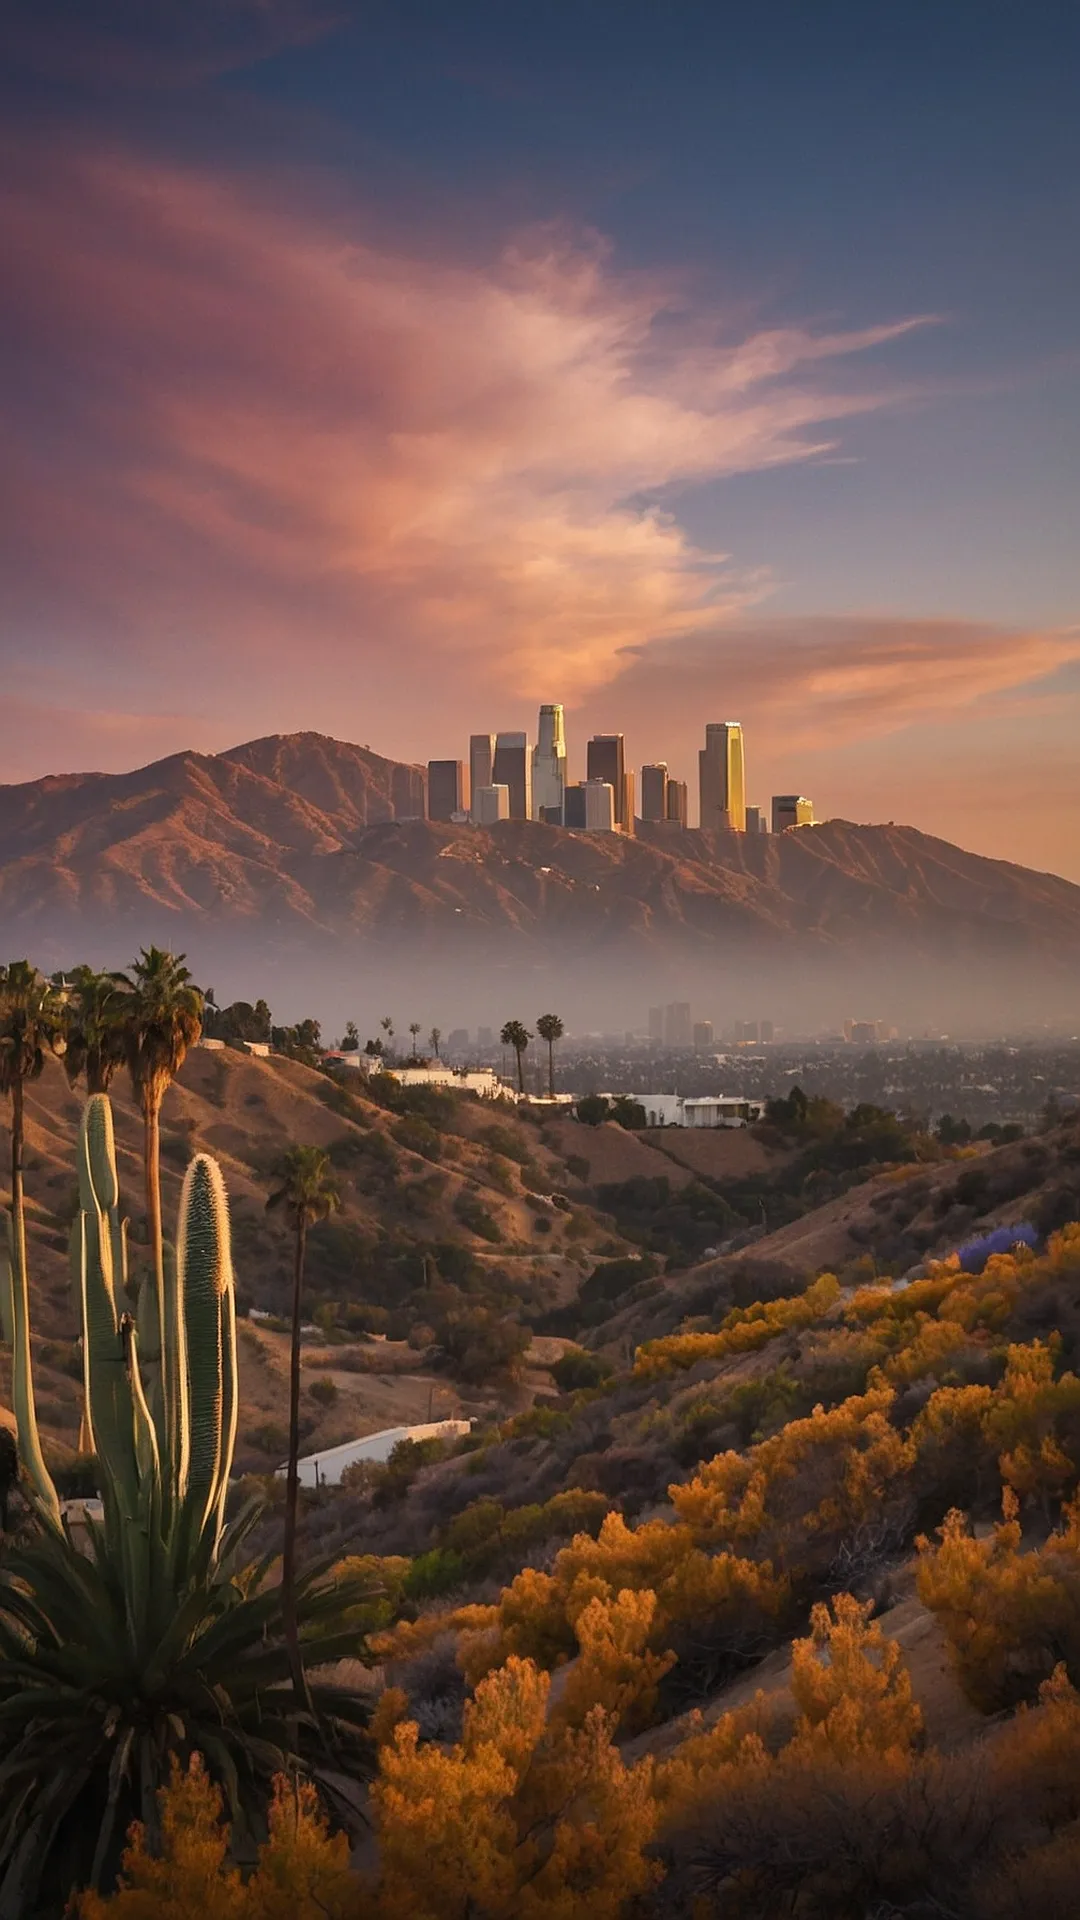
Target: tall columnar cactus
161,1400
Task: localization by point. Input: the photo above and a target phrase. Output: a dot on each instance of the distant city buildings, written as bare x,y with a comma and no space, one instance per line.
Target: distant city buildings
722,778
678,803
791,810
539,787
491,804
513,769
549,766
678,1028
703,1035
481,764
654,791
606,760
446,789
600,807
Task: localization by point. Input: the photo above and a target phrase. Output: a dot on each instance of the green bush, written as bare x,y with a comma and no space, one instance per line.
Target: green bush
473,1214
324,1392
418,1136
577,1368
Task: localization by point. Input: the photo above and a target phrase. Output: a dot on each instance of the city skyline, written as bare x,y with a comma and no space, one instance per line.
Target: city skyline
365,370
513,780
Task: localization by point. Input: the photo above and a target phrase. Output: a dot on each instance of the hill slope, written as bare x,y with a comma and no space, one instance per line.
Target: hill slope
285,852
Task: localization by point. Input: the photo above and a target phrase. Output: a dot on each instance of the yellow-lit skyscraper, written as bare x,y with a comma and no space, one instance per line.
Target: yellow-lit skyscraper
722,777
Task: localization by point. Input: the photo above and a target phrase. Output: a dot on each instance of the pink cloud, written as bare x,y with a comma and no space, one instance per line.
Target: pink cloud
261,429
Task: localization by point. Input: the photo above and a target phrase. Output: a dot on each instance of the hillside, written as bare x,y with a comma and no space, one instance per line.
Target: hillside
462,1203
281,860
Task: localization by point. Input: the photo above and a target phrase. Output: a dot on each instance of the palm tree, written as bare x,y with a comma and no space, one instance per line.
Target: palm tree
306,1192
162,1019
414,1028
31,1027
434,1038
96,1045
550,1028
387,1026
517,1036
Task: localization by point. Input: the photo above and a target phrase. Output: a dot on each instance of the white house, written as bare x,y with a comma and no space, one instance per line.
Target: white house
325,1469
708,1110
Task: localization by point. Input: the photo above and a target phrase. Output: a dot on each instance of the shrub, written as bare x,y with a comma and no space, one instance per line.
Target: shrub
324,1392
417,1136
1009,1616
578,1368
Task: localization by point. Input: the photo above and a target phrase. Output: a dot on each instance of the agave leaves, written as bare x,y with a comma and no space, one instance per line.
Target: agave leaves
107,1667
147,1638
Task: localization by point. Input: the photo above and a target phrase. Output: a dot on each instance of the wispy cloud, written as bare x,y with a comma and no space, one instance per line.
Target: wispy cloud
836,677
253,426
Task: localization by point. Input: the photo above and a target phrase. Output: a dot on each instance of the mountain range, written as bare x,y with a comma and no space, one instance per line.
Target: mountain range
282,860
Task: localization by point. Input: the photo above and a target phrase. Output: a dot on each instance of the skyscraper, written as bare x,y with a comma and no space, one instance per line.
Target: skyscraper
549,762
599,806
606,760
654,789
722,777
481,764
677,802
678,1030
445,784
791,810
511,769
756,821
491,804
574,806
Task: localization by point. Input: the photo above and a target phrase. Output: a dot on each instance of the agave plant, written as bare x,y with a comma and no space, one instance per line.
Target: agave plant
148,1636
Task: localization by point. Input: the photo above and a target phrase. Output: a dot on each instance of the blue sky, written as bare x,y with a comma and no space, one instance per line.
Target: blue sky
508,480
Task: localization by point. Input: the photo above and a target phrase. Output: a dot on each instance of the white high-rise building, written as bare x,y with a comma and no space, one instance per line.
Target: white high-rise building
549,762
481,765
491,804
722,776
599,806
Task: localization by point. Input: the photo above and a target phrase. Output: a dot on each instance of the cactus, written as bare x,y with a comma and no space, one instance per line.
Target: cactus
161,1402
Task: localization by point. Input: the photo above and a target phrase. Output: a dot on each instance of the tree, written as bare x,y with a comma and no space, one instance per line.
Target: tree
515,1035
306,1192
94,1028
434,1038
592,1109
550,1028
414,1028
162,1019
31,1027
351,1042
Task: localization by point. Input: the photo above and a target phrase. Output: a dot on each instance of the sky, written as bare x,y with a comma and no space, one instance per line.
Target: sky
387,369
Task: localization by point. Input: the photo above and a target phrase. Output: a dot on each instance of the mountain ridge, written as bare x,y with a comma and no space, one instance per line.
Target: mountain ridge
290,841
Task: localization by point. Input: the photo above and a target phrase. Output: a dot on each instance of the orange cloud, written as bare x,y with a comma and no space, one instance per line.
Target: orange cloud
264,432
802,681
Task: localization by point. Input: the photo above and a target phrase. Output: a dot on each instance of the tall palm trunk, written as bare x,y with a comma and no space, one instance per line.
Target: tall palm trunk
292,1478
520,1068
551,1068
